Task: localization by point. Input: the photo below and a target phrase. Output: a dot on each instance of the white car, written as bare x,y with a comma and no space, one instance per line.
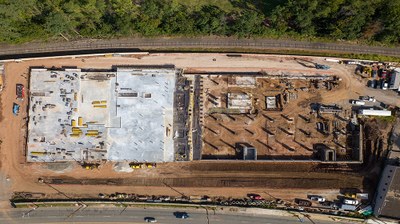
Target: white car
357,102
350,201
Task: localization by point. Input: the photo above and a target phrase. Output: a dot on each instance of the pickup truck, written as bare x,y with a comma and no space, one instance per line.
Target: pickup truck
368,98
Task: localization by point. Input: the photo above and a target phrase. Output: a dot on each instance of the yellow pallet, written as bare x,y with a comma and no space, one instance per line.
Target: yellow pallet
100,106
80,121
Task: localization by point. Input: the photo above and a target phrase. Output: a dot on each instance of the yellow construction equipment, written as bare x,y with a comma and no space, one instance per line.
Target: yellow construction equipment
367,70
150,165
103,101
95,102
80,121
136,165
90,166
73,123
91,134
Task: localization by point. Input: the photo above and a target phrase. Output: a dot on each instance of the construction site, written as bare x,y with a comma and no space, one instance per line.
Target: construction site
213,124
125,114
274,116
250,116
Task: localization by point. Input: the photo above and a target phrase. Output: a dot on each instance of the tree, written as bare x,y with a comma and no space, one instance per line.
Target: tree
210,20
178,21
249,23
391,22
120,15
15,17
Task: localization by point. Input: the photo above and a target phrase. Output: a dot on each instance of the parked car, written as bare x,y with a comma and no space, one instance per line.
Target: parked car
255,197
150,219
317,198
350,201
330,204
357,102
368,98
20,91
15,109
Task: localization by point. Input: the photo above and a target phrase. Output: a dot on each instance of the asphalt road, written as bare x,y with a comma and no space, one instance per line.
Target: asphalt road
136,44
136,215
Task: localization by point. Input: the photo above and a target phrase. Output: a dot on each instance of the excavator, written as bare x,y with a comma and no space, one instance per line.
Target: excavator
90,166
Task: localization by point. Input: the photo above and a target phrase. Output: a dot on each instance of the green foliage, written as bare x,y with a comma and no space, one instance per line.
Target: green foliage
364,20
210,20
249,23
391,26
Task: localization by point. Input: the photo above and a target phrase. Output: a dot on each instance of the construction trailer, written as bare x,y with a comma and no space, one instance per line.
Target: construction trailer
372,112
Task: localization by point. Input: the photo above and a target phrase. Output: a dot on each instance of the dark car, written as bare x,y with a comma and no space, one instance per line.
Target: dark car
181,215
20,89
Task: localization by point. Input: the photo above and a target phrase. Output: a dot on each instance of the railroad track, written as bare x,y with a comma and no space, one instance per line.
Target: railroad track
165,44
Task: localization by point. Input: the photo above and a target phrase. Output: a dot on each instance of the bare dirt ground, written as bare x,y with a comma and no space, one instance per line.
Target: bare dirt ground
288,132
23,176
